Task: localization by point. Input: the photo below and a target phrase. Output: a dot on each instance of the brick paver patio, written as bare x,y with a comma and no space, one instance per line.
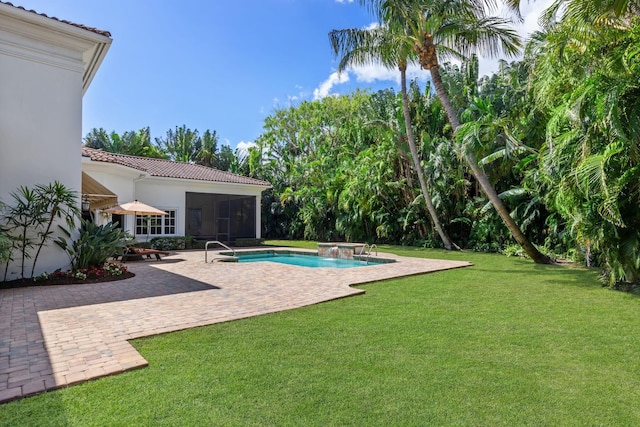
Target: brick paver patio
55,336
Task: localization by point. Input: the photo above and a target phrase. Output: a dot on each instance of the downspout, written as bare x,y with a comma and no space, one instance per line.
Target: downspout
135,181
140,177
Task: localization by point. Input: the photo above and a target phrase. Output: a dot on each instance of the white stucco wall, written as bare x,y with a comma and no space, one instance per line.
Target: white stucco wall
167,193
118,179
40,125
163,193
40,112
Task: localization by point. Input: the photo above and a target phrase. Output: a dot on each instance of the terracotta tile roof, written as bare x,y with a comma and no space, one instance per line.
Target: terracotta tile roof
169,168
84,27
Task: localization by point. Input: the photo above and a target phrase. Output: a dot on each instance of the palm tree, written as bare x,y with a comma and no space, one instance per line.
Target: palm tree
132,143
362,46
455,28
182,145
208,153
591,13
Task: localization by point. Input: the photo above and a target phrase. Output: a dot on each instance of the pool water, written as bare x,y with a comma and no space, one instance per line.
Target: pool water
303,260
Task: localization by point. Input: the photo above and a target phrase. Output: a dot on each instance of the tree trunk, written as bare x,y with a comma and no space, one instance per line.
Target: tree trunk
446,241
482,178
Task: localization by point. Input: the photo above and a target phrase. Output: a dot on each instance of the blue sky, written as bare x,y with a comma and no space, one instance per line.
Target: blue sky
218,65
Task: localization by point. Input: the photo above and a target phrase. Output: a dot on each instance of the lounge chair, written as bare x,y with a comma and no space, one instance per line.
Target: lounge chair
139,253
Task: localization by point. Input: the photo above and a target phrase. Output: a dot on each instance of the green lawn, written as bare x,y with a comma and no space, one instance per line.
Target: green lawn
505,342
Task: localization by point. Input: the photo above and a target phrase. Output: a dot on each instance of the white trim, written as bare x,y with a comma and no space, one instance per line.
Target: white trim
36,38
176,233
40,55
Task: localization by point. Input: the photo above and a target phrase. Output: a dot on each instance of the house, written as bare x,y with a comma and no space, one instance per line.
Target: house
47,65
200,201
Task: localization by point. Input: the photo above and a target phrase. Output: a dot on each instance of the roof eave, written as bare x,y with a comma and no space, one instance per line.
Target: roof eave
127,168
206,181
93,45
88,160
92,60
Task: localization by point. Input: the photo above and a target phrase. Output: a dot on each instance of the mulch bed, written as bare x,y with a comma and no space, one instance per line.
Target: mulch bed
62,280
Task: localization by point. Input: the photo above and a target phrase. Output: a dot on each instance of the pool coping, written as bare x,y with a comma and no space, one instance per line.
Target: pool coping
309,252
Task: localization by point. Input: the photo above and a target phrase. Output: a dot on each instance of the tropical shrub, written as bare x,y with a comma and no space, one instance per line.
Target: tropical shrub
5,246
21,218
171,243
54,201
5,241
94,246
27,223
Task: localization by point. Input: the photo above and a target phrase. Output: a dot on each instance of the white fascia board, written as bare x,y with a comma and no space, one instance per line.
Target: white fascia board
37,38
196,182
89,165
92,59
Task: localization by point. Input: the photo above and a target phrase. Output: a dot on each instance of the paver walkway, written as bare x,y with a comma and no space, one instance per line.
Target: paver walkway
54,336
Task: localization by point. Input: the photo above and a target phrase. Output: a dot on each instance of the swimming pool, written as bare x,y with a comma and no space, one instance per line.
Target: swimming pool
304,260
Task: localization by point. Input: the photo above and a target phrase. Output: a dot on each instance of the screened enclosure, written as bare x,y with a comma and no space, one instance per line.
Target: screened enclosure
223,217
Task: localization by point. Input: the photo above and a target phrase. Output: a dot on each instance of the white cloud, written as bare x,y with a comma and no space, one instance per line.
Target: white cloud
375,72
372,26
530,12
325,87
344,1
378,73
243,147
290,100
368,74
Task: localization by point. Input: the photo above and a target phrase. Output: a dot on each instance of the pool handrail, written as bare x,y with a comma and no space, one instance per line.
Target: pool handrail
364,249
206,248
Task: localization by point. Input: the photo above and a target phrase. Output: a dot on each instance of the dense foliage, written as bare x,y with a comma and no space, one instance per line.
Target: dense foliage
557,136
545,150
586,82
181,144
342,169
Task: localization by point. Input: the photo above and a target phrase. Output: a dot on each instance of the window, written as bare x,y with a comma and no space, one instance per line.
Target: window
170,222
157,224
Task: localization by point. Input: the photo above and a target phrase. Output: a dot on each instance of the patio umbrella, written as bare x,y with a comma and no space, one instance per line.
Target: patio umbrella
135,208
